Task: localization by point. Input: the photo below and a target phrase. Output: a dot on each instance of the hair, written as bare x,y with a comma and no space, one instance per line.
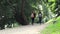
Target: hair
32,11
39,12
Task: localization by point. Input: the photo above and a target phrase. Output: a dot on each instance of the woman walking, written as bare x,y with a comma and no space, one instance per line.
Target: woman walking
33,17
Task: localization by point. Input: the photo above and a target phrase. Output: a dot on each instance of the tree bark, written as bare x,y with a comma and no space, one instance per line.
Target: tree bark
24,21
21,18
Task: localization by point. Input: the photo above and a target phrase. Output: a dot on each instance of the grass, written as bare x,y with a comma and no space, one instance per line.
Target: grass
53,28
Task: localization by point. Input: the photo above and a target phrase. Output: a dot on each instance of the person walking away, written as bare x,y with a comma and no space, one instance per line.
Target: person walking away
40,17
33,14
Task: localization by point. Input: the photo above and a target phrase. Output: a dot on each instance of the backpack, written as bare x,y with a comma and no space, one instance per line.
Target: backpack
40,15
34,15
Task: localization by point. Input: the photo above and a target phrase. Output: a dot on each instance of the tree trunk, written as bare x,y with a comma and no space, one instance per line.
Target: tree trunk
21,18
24,19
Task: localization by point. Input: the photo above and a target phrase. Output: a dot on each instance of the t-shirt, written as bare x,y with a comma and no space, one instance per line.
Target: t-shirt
32,15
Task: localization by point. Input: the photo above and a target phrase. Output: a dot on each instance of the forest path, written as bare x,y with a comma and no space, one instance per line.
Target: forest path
28,29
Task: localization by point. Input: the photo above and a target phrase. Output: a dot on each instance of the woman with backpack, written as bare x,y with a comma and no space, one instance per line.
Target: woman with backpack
33,14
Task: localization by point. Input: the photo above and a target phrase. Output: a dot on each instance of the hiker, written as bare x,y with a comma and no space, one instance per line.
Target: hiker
40,17
33,14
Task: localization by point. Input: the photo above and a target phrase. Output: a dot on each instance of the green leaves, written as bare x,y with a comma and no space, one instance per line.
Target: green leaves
51,0
53,28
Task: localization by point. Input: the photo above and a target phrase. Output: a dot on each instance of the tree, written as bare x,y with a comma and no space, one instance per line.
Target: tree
21,18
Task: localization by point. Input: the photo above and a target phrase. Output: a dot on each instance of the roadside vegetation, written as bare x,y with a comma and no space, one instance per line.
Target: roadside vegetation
53,28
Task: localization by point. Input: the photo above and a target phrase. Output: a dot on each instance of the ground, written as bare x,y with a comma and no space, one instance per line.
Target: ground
28,29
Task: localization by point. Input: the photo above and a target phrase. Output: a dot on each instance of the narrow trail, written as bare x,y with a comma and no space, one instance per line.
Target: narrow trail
28,29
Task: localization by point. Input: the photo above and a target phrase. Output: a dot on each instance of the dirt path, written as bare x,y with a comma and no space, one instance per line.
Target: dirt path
29,29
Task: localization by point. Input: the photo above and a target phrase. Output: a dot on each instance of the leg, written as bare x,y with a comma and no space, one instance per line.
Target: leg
40,20
32,21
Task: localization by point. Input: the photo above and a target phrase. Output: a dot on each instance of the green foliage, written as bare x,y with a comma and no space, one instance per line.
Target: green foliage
7,8
51,0
48,9
53,28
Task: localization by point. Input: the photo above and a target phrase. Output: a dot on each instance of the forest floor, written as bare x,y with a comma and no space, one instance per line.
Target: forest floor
28,29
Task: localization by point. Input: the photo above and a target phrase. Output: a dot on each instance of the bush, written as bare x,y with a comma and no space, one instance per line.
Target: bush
53,28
